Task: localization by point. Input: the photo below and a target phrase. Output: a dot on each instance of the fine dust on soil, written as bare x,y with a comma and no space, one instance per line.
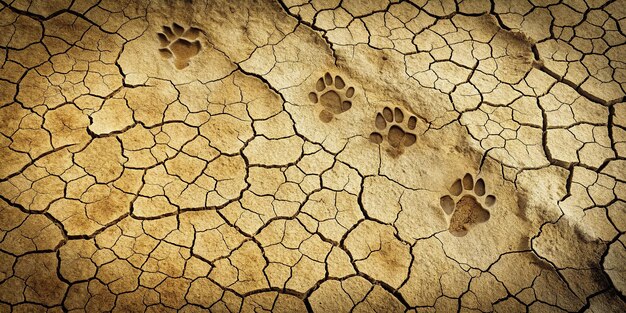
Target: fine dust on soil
322,156
467,212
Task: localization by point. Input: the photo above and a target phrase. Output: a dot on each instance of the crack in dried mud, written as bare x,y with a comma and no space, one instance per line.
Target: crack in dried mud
322,156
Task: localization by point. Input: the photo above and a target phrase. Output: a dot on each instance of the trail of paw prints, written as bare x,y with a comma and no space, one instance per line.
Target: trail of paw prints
179,45
392,127
466,204
330,93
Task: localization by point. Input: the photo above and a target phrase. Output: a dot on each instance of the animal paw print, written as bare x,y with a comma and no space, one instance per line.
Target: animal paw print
466,204
391,122
179,44
331,95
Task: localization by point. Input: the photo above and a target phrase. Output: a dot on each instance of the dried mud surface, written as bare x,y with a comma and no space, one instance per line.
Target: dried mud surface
322,156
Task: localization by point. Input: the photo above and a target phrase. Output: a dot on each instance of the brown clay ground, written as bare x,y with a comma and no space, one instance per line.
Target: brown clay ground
331,156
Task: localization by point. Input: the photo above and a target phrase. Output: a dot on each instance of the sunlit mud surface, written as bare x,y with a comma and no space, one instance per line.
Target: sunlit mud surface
331,156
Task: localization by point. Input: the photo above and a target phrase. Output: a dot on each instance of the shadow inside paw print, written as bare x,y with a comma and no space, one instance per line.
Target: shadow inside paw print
466,204
330,93
392,126
179,45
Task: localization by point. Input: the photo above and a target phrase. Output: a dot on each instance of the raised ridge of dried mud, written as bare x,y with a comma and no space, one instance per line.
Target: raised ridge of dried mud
323,156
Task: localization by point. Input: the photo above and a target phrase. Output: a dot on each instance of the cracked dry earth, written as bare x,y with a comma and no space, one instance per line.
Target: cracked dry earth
331,156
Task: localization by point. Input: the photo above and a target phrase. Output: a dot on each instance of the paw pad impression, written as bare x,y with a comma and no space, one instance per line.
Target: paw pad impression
179,45
333,95
467,203
393,126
